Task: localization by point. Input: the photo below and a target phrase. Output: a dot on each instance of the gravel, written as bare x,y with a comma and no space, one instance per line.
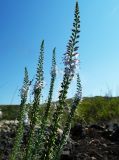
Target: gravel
94,142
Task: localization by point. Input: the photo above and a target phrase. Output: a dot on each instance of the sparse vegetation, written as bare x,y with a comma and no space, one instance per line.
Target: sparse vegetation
98,109
90,110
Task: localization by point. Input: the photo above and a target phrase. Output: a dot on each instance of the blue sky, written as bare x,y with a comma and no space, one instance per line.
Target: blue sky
25,23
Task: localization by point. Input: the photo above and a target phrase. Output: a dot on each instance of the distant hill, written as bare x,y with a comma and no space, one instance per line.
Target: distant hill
90,110
9,112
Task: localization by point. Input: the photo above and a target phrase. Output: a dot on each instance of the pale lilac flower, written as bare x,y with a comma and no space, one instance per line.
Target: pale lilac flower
75,61
38,85
70,62
24,91
76,55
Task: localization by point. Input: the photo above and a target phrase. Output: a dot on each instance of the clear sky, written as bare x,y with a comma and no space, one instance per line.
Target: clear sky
25,23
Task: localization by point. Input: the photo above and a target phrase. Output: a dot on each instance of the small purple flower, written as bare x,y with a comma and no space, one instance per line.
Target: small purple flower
38,85
75,61
71,62
75,54
24,92
78,95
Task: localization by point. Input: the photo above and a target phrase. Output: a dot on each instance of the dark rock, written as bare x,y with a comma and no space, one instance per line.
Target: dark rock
115,134
66,156
77,132
96,127
100,144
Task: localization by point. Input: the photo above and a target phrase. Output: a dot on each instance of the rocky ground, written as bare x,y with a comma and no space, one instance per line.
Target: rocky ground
94,142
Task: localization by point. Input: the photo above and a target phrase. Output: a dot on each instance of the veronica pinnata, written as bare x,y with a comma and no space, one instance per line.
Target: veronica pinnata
51,150
44,120
35,108
70,62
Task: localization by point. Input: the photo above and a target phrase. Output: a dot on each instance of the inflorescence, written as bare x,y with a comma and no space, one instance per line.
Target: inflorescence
43,144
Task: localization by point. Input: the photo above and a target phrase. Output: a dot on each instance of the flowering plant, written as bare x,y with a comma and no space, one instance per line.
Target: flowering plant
44,146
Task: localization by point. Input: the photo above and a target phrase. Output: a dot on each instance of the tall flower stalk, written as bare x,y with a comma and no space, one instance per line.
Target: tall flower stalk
35,108
70,62
42,146
44,120
20,130
67,127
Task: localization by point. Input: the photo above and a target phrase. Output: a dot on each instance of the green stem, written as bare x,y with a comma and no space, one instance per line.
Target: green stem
19,134
57,116
59,148
34,120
